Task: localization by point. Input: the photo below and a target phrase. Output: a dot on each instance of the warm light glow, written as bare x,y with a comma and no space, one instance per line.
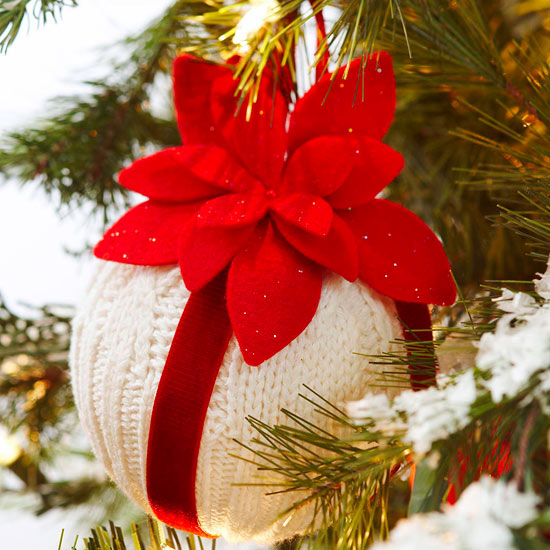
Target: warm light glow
10,450
260,14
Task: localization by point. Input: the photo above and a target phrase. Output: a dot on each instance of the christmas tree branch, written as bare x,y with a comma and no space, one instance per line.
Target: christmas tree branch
33,371
270,42
76,154
37,411
345,479
154,537
15,12
455,57
476,422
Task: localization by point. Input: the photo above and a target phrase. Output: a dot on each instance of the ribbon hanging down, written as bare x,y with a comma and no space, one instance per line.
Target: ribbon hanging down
184,393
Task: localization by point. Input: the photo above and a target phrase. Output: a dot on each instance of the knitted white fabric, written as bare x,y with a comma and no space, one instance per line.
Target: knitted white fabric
122,334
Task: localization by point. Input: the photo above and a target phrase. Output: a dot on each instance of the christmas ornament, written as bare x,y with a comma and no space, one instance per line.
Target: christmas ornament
260,262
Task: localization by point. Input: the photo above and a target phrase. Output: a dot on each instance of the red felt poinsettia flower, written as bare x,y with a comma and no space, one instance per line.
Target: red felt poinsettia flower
279,196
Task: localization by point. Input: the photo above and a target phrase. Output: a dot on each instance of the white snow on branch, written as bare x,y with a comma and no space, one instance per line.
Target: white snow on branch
482,519
420,418
516,356
542,285
517,303
435,413
519,348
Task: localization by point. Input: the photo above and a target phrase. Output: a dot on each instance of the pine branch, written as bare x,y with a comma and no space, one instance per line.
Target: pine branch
155,536
348,479
34,391
447,46
525,151
344,481
13,13
76,154
461,57
354,33
36,403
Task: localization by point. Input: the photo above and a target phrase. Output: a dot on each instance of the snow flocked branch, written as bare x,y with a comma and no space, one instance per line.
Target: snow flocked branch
489,420
507,397
513,364
485,517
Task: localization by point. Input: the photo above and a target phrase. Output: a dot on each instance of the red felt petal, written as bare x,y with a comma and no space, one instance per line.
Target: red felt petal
320,166
205,251
146,235
347,170
362,104
193,79
234,209
336,251
308,212
181,174
399,255
375,166
272,295
256,135
218,167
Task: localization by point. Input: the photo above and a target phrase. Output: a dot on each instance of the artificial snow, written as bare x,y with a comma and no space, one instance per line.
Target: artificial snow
371,406
482,519
435,413
518,348
516,356
420,418
518,303
542,285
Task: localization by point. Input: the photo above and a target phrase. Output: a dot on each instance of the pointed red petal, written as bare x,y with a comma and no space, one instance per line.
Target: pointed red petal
182,174
257,135
272,295
362,104
205,251
375,166
234,209
347,171
218,167
193,79
308,212
399,255
336,251
146,235
320,166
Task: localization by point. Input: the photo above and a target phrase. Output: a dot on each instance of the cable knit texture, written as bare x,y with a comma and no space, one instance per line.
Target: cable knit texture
122,334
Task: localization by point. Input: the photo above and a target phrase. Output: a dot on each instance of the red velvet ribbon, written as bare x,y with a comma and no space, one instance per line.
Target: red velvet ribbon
417,328
184,393
322,65
181,403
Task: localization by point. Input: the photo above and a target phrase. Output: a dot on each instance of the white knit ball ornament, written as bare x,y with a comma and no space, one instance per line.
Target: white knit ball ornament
122,334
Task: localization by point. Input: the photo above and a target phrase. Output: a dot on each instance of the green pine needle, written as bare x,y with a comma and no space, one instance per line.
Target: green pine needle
157,537
14,13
